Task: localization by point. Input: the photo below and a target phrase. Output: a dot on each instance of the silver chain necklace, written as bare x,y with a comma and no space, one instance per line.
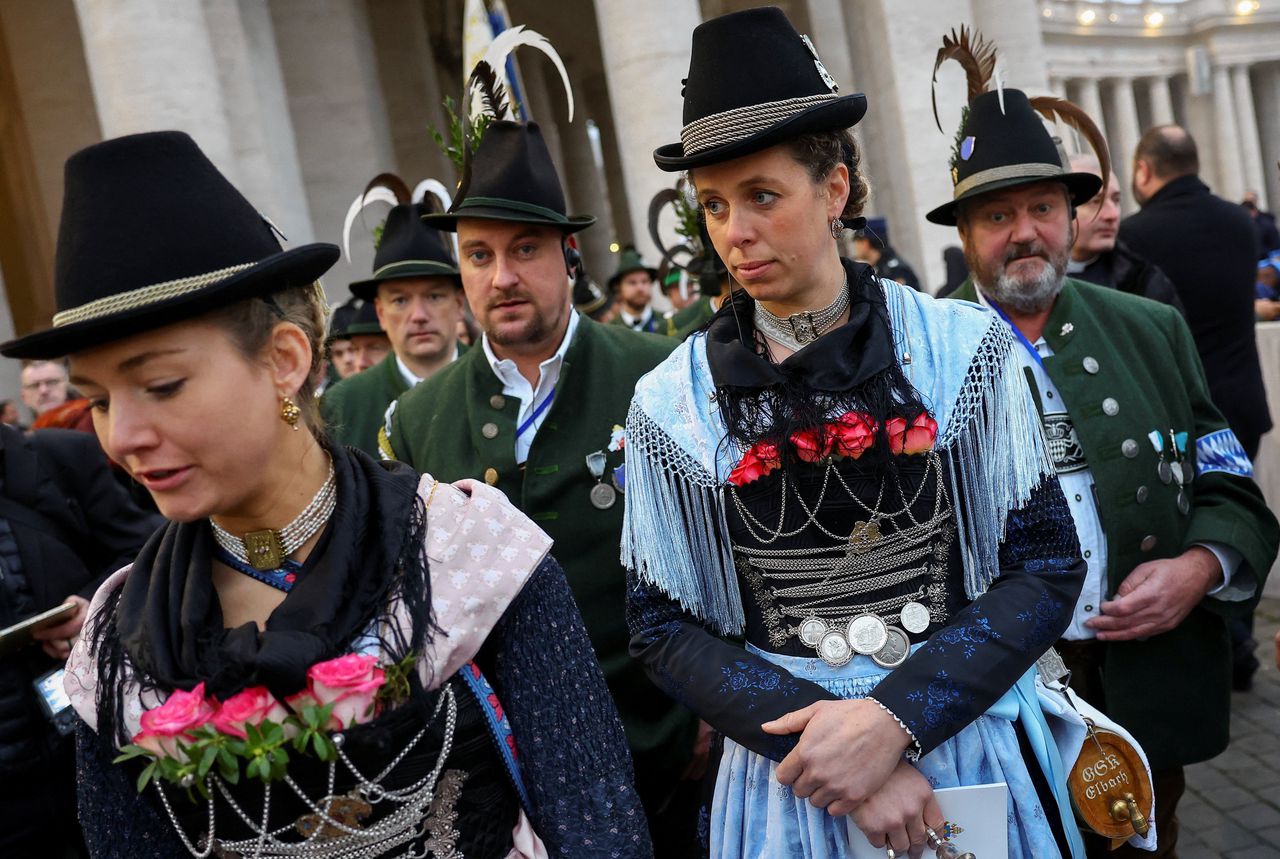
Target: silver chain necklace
267,549
800,329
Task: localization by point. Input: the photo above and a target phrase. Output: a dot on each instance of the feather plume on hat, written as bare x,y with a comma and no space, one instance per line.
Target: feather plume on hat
978,58
390,189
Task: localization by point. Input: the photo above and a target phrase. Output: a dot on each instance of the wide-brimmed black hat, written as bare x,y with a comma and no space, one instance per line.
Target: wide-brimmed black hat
408,248
1001,146
510,177
152,233
353,318
628,261
753,82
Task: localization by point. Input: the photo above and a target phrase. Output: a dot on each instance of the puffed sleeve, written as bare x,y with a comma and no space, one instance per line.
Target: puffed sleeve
572,751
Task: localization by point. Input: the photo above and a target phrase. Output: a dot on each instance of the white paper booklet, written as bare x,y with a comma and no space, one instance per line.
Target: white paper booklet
982,811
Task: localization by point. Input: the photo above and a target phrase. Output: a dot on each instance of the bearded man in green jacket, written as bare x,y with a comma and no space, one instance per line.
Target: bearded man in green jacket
1175,532
537,410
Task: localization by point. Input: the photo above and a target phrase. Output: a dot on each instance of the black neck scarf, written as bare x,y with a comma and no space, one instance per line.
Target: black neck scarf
836,362
851,367
170,624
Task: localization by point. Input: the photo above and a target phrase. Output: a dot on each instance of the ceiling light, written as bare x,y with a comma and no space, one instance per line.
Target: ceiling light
1087,17
1247,7
1113,17
1154,19
1048,13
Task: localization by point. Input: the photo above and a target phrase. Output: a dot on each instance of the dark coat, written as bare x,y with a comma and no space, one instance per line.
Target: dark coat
354,409
1122,269
458,424
73,525
1172,691
1209,248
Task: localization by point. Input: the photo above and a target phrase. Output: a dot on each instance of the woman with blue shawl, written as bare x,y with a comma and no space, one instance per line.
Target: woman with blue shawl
846,542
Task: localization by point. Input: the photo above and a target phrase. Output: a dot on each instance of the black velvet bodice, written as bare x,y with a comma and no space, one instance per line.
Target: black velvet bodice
847,528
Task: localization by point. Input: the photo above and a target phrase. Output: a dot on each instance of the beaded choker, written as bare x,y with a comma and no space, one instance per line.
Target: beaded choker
267,549
800,329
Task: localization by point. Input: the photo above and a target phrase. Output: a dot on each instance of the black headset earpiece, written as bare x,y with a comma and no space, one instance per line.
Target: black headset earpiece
572,260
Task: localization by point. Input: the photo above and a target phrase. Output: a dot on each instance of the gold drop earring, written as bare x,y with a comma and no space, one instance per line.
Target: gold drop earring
289,412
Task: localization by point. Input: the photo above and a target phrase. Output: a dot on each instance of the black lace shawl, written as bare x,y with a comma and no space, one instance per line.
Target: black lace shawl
851,368
167,620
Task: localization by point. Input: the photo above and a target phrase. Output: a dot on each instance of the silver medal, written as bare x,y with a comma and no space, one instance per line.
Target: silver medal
915,617
1165,472
1176,469
811,631
896,648
1184,505
867,634
834,650
603,496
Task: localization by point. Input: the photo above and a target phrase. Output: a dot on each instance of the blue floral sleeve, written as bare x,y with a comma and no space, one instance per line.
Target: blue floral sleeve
966,666
731,689
572,751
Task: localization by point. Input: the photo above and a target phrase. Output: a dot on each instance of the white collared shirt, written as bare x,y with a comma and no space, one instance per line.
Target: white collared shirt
410,378
516,385
1076,479
637,322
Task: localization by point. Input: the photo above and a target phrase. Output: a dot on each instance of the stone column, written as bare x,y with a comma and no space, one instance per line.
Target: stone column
1124,137
584,180
904,152
1231,177
1090,101
1250,147
1161,96
827,29
646,51
1015,28
1268,96
152,66
261,130
339,117
596,100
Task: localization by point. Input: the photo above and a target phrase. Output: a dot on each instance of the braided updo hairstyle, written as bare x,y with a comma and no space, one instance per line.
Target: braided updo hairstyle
820,151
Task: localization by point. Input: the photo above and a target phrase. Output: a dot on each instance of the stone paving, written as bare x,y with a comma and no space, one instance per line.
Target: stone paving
1232,805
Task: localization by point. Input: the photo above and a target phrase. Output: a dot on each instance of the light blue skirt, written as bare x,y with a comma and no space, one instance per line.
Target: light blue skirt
753,816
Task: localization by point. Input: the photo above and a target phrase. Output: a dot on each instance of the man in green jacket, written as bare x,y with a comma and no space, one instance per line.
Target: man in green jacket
537,411
632,288
417,296
1175,532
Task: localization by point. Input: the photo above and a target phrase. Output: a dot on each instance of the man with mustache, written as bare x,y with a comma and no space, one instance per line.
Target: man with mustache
1175,532
415,299
1098,257
537,411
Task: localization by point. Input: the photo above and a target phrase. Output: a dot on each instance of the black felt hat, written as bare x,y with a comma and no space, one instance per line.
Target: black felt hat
510,177
1001,146
353,318
152,233
753,82
408,248
628,261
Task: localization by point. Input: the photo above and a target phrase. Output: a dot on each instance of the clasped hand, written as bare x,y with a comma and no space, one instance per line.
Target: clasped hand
1157,596
848,761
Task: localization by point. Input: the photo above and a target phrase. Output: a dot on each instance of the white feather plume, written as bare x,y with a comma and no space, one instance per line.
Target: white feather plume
358,205
514,37
437,189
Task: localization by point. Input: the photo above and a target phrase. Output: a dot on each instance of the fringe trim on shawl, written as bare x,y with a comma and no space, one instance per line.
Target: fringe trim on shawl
675,534
998,454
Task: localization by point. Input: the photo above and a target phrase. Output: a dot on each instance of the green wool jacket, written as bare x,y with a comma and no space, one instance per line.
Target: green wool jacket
353,409
458,424
1172,691
689,319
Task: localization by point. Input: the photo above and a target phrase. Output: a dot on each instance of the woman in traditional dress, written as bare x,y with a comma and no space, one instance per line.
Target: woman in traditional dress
865,495
314,656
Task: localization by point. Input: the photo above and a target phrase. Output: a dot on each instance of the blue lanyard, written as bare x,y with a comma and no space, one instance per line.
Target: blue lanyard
537,413
282,579
1026,344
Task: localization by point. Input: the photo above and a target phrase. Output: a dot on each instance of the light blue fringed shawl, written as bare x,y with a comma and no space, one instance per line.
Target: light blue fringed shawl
675,534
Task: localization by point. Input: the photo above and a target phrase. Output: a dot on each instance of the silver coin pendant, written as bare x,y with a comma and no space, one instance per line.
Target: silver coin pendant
603,496
915,617
811,631
867,634
896,648
834,649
